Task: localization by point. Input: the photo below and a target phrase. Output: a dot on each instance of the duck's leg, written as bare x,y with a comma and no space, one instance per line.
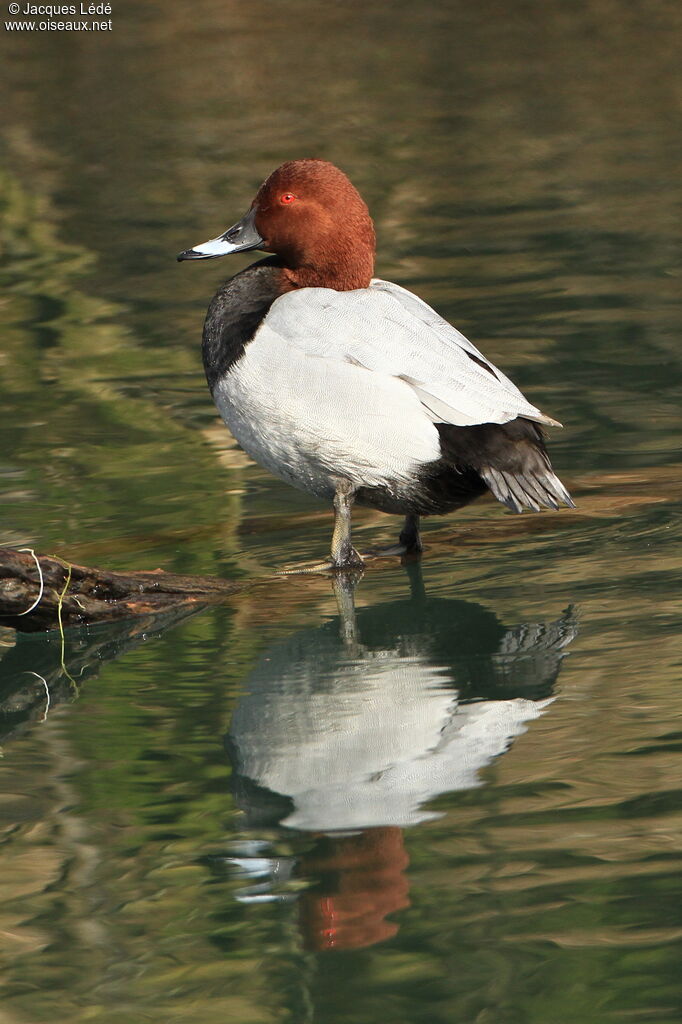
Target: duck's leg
409,541
344,555
410,537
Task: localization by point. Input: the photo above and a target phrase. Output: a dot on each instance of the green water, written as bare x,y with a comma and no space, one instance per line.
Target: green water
461,802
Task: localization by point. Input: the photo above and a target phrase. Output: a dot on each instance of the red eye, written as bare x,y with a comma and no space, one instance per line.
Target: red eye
288,197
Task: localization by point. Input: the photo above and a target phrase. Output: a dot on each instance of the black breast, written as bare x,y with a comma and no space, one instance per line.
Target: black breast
235,314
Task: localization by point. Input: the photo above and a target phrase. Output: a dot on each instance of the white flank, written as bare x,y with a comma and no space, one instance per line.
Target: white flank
311,418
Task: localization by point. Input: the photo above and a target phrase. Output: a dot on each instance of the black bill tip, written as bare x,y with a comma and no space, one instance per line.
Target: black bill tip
192,254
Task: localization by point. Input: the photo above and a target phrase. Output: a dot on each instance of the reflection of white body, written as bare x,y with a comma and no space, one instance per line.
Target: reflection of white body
364,741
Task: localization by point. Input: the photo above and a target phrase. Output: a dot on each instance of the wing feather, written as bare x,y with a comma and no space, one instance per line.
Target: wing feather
388,330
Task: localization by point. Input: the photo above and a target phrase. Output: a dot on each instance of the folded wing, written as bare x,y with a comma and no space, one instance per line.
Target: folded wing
388,330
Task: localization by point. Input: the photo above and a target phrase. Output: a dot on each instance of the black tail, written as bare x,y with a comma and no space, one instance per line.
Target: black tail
510,458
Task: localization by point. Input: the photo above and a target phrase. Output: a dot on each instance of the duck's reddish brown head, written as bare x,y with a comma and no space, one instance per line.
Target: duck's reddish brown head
310,215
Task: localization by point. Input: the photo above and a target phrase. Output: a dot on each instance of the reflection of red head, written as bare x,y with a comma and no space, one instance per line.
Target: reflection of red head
360,881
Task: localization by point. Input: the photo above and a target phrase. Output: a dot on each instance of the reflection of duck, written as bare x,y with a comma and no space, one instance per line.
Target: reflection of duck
363,734
358,881
345,734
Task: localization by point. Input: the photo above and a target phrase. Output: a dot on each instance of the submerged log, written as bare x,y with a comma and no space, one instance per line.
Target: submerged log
40,592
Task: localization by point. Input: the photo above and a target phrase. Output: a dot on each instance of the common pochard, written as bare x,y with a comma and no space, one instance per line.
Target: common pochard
350,387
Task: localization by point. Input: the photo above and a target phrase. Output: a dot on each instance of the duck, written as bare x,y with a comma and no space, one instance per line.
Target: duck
352,388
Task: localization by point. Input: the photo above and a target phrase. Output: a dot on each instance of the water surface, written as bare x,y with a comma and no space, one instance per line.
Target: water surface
458,800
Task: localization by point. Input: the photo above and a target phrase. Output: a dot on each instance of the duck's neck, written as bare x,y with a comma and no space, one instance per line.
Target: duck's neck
342,268
338,278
